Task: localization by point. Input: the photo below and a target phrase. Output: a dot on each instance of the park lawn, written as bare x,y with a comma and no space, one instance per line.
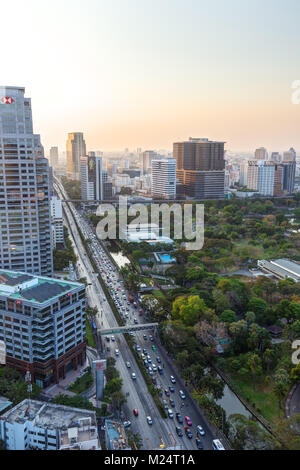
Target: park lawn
82,383
89,336
263,397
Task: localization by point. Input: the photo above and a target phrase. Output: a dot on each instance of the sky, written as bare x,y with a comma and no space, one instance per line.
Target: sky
147,73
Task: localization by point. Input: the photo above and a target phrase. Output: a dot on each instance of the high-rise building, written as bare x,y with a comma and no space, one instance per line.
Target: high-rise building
289,173
261,154
200,167
265,177
25,225
57,222
42,323
164,178
275,157
147,158
76,149
92,179
289,156
243,174
54,157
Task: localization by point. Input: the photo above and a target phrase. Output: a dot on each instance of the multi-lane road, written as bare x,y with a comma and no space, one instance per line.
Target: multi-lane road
162,431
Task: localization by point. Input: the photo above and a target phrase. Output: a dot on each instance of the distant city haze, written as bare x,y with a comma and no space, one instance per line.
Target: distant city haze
138,73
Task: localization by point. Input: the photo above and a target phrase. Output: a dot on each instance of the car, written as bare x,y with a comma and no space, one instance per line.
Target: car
154,368
170,413
149,359
179,418
158,359
150,371
188,420
133,376
189,433
127,424
173,380
165,403
200,430
145,351
151,338
172,403
167,392
145,337
172,389
199,444
113,338
160,370
135,321
138,348
153,348
117,352
182,395
107,339
128,365
149,420
179,431
108,349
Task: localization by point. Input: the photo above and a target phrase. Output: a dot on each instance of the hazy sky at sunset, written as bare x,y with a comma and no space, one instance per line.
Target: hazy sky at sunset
145,73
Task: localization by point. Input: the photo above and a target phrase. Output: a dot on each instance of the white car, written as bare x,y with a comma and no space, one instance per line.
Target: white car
127,424
149,420
133,376
113,338
117,352
182,395
128,365
173,380
200,430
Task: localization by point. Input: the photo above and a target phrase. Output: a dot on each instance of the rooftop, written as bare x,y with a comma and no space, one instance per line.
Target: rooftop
116,435
4,403
21,286
49,415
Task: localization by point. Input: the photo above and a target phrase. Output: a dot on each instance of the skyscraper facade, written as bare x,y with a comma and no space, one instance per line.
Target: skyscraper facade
25,222
75,149
54,157
164,178
91,176
261,154
200,167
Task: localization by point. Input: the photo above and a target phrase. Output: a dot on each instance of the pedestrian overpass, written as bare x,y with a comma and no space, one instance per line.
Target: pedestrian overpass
126,329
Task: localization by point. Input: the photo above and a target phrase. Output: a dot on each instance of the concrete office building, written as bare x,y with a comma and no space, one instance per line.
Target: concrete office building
25,225
276,157
147,158
243,174
54,157
35,425
164,178
42,323
57,222
200,168
289,156
75,149
261,154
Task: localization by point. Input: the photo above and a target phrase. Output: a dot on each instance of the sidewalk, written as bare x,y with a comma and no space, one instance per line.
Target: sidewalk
62,386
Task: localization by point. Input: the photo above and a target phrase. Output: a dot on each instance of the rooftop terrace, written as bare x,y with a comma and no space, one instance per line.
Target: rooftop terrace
21,286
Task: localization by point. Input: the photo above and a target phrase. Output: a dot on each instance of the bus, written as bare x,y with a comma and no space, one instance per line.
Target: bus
217,445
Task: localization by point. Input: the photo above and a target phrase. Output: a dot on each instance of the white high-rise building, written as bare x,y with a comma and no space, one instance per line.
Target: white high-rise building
57,222
76,149
91,176
265,177
25,223
164,178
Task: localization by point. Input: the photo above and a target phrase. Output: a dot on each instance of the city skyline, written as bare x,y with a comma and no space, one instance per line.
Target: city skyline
227,75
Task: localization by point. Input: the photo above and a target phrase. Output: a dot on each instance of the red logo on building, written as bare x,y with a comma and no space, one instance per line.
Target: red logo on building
7,100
